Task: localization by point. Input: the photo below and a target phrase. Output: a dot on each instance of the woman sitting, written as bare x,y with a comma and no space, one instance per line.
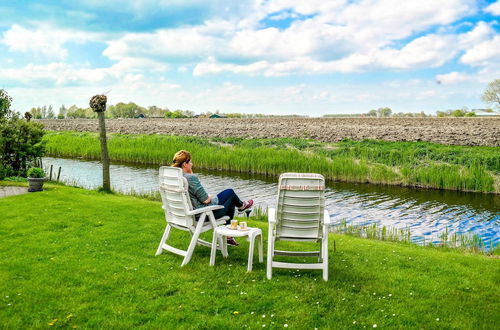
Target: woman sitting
200,198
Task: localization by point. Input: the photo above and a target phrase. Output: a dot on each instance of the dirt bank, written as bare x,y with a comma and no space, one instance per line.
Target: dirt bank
457,131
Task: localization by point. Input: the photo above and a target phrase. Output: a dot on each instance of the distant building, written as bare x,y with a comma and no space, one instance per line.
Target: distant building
215,115
483,113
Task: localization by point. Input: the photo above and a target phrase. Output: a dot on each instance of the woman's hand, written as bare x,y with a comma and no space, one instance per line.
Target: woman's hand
209,199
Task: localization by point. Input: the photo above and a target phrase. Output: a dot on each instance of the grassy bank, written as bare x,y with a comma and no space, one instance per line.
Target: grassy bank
419,164
71,257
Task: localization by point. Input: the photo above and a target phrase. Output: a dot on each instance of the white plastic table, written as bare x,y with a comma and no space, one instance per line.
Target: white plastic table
223,232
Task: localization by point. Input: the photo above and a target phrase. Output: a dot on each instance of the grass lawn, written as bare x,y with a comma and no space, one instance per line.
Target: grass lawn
76,258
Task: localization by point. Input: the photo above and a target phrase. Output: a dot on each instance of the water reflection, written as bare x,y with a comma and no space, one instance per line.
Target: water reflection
427,213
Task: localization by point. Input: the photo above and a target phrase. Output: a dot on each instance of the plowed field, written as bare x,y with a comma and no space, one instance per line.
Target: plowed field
457,131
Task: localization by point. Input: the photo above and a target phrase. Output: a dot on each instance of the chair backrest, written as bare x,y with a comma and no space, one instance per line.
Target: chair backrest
300,206
175,196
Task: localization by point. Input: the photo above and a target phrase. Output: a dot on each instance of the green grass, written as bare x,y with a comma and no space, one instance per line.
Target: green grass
72,257
420,164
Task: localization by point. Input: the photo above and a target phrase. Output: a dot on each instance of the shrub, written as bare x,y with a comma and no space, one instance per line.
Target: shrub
20,141
36,172
3,172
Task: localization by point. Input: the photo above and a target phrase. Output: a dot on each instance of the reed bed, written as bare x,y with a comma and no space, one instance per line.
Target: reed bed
466,242
420,164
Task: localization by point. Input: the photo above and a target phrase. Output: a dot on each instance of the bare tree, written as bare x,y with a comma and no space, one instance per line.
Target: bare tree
492,93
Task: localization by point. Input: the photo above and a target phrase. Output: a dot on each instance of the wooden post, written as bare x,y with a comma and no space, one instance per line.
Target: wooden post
50,176
58,173
98,104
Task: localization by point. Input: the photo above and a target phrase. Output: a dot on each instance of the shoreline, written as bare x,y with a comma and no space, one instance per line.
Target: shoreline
410,164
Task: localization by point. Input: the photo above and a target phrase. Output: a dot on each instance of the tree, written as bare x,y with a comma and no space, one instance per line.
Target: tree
384,112
62,112
492,94
458,113
5,102
50,113
372,113
20,141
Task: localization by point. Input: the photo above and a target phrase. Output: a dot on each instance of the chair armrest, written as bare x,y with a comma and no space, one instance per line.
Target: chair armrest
326,219
205,209
271,215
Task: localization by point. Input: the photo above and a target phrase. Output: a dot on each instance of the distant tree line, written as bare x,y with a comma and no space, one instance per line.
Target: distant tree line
387,112
132,110
120,110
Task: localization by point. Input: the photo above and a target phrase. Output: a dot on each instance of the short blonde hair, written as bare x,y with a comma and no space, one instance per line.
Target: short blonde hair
181,157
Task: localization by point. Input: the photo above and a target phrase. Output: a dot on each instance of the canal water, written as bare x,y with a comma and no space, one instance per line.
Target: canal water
426,213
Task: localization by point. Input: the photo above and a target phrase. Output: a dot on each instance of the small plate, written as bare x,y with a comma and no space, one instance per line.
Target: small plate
229,227
241,229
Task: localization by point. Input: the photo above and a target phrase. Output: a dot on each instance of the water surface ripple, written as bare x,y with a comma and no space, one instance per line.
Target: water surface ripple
427,213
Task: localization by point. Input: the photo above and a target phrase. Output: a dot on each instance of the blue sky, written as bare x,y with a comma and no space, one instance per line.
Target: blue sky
278,57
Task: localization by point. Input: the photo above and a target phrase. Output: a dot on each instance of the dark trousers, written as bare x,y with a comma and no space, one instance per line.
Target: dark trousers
229,200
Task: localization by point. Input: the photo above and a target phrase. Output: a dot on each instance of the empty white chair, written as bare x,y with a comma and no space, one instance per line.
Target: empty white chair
300,215
179,213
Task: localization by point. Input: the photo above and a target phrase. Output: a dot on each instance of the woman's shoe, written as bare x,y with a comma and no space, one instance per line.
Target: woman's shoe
246,205
231,241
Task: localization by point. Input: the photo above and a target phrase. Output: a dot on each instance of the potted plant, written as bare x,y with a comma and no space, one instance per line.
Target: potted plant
36,177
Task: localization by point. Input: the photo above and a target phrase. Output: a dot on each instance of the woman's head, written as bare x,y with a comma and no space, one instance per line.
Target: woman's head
180,158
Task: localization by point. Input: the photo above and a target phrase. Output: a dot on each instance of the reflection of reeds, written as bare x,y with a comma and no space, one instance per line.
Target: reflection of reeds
468,242
374,231
407,163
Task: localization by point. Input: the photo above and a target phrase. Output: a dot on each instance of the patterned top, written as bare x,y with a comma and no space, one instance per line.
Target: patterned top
197,193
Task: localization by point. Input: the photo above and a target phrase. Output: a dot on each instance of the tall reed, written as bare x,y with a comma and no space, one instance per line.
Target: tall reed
403,163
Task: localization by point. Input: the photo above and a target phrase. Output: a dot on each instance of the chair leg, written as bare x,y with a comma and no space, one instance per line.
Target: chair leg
164,239
192,244
320,256
214,248
261,252
270,252
250,253
324,249
224,246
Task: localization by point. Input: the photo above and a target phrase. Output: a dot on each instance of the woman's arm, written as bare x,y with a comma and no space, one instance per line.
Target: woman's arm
197,190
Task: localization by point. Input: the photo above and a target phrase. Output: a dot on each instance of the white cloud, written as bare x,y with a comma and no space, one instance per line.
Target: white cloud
45,40
340,37
57,72
494,8
484,53
453,77
427,51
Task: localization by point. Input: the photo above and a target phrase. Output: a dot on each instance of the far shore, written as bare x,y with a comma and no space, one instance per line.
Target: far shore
472,131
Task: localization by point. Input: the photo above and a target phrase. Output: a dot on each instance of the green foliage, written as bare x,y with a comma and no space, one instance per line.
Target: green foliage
5,102
384,112
36,172
125,110
20,141
402,163
76,112
94,267
458,113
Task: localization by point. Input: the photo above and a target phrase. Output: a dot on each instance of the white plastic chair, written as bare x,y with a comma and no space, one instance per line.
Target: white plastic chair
179,213
300,216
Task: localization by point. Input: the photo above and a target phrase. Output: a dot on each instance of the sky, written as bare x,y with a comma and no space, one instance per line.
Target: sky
277,57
